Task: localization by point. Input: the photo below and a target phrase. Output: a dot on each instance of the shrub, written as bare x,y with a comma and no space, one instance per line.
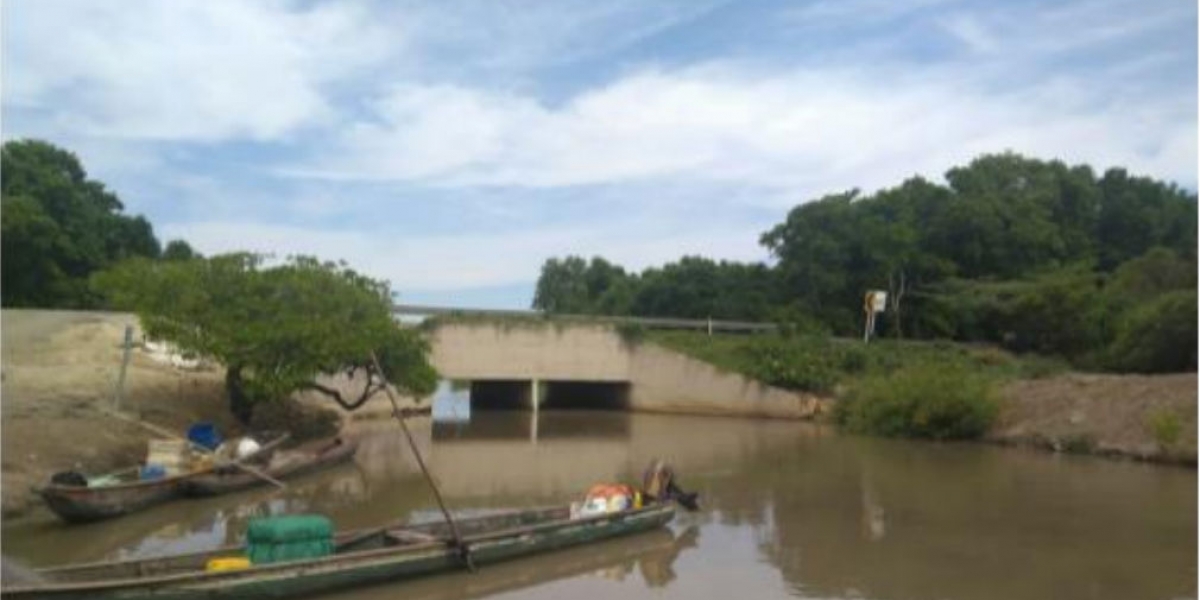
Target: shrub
1158,337
807,364
1165,426
937,401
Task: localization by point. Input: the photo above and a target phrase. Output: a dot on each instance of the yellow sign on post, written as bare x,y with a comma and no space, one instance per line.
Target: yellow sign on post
874,302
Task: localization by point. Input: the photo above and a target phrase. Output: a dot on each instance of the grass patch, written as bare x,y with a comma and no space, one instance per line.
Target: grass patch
1165,426
924,401
820,364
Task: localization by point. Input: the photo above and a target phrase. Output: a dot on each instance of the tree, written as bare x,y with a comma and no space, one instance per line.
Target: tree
275,329
1138,213
179,250
562,286
573,285
59,227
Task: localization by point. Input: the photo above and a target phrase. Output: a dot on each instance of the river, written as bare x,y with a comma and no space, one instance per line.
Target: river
790,510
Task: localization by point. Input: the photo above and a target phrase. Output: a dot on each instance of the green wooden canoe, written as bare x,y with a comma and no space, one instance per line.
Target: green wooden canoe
362,557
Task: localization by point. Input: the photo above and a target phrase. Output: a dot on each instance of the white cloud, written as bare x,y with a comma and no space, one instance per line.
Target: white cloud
451,262
180,70
516,36
808,131
785,104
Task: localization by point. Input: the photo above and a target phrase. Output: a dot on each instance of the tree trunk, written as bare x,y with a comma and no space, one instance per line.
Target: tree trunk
239,403
896,291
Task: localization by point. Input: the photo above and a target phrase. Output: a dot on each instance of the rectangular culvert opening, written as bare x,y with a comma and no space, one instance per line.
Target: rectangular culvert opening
585,395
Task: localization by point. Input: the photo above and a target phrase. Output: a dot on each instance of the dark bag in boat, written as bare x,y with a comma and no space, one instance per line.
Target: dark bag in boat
70,478
292,537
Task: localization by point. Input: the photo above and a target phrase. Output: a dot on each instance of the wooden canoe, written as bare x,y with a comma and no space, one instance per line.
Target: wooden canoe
363,557
84,504
284,464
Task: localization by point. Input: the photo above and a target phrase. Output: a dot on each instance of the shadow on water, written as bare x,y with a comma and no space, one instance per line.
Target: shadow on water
789,510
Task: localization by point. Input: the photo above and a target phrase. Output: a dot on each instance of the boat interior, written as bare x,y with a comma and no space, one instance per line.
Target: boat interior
345,543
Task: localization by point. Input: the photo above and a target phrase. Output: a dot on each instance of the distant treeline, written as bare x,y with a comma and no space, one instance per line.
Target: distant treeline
1034,255
59,227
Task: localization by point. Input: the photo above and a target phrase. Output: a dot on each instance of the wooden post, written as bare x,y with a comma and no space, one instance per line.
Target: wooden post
128,345
535,398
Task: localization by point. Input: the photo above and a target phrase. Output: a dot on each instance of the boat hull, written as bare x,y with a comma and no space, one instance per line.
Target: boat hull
80,504
353,568
215,484
85,505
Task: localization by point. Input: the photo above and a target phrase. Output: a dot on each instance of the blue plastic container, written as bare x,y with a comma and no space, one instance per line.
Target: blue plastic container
204,434
153,471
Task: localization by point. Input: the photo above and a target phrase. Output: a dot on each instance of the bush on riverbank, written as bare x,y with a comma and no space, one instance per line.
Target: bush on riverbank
937,401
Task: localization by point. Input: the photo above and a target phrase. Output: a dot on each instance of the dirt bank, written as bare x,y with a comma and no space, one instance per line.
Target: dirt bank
1149,417
61,367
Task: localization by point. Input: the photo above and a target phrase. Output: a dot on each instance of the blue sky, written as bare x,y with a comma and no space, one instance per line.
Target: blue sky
451,147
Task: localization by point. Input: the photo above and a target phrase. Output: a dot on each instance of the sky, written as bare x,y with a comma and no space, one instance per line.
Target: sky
452,147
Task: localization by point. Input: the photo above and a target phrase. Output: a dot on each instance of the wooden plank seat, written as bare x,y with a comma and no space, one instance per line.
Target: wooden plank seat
404,537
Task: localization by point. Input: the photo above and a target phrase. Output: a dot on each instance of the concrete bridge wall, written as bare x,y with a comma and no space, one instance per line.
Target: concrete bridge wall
659,380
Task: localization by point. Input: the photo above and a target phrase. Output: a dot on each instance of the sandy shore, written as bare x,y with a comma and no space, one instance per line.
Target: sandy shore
1112,415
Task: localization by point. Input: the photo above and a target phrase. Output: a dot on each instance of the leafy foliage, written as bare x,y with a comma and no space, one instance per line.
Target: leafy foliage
693,287
59,227
1038,256
1165,426
820,364
1157,337
936,401
179,250
276,329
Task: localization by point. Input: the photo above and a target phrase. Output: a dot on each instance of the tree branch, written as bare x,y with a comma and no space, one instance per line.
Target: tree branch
373,386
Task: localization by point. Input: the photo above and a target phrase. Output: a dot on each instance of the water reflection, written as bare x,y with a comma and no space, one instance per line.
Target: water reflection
790,510
644,561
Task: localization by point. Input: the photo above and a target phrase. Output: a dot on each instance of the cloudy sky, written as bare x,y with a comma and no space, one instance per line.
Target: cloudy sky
451,147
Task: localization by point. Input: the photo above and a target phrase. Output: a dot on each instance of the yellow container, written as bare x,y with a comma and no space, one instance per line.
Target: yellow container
637,500
228,563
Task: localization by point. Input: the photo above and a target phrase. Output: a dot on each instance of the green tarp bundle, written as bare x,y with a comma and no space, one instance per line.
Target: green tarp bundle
291,537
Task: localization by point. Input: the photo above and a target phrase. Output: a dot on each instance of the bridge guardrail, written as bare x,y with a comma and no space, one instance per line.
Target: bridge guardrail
651,322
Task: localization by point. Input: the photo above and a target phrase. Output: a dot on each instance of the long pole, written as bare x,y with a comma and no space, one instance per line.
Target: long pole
437,494
124,366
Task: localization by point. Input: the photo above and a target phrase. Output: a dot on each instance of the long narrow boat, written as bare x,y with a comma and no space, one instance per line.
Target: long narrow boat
361,557
87,503
285,464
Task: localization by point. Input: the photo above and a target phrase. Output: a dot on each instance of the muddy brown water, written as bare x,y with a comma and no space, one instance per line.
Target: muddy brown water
791,510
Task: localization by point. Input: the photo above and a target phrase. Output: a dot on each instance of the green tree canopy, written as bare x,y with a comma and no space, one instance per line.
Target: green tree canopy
574,285
276,329
59,227
1001,217
179,250
1037,255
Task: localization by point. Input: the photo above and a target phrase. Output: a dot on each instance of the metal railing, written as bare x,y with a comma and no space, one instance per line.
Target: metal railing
709,325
